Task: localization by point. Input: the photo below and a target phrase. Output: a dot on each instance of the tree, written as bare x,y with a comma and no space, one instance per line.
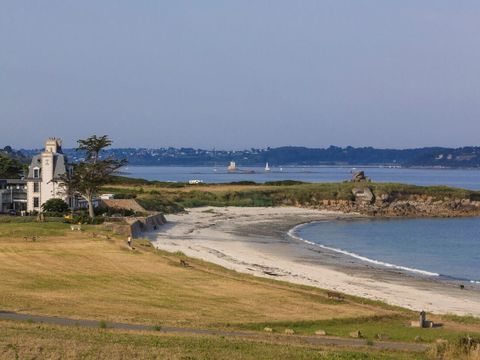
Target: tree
91,174
9,167
55,206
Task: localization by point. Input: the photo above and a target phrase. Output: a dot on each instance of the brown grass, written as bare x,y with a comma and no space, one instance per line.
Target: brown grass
76,275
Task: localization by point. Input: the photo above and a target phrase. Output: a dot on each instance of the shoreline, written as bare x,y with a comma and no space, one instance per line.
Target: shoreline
292,234
256,241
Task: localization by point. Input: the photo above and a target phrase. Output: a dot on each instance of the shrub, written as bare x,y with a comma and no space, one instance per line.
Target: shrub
56,206
284,182
125,196
243,182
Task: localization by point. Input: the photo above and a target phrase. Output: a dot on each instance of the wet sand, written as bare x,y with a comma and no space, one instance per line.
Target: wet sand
256,241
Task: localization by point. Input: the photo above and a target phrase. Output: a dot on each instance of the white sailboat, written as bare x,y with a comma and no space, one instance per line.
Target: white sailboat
267,168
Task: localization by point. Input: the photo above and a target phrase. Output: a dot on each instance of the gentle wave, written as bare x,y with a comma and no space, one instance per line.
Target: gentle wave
292,233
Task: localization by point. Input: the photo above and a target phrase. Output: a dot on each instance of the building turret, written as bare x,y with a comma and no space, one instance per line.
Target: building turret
45,170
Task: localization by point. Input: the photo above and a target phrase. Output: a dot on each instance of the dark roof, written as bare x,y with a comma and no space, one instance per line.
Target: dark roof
59,165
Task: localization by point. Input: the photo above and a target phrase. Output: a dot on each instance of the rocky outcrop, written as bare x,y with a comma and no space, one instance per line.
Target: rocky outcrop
359,176
385,205
364,196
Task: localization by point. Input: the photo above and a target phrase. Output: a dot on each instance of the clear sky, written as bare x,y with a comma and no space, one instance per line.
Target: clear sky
241,73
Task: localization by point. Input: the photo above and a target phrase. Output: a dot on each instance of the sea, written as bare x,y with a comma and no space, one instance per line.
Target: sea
445,248
462,178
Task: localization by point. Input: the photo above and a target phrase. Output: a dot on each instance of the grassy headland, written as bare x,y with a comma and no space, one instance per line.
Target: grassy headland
174,197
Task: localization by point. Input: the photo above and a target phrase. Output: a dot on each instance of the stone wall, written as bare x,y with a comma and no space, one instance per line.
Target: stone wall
143,224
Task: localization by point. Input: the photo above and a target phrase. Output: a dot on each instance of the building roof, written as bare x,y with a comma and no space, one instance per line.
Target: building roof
59,165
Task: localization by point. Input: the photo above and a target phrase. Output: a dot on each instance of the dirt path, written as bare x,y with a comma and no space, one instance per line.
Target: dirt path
310,340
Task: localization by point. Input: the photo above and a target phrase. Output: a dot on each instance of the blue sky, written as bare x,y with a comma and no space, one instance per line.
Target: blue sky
237,74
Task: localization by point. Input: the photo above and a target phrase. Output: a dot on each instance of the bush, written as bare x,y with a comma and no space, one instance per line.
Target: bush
243,182
55,206
124,196
108,211
284,182
82,217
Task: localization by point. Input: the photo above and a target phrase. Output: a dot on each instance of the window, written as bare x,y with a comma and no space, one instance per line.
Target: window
36,202
36,187
36,173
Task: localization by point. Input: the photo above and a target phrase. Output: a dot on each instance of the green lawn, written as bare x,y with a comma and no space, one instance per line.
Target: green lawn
33,229
394,327
29,340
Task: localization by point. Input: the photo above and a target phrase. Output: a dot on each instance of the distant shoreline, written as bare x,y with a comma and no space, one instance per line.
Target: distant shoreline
462,157
339,166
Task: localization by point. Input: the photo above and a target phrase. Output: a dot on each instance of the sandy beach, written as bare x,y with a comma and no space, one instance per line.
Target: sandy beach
256,241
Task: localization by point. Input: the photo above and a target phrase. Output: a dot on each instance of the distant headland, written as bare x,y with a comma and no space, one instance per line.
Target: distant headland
463,157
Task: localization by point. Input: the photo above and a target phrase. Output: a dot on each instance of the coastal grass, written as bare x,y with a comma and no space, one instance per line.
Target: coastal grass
160,197
31,340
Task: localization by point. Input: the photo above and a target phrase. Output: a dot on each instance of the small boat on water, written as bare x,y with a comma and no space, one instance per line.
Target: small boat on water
267,168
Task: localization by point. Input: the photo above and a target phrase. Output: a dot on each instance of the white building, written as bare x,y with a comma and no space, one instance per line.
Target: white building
43,180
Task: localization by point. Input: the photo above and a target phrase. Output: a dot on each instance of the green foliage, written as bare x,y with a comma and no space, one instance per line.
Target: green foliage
284,182
108,211
82,217
93,173
243,182
10,168
125,196
161,203
55,206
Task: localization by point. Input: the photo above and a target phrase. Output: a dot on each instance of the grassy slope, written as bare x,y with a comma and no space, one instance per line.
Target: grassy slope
75,275
172,197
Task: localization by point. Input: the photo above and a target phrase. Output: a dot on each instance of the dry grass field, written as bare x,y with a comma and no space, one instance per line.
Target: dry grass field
76,275
80,275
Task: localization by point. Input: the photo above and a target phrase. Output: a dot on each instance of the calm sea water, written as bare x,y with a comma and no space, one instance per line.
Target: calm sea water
435,247
468,179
